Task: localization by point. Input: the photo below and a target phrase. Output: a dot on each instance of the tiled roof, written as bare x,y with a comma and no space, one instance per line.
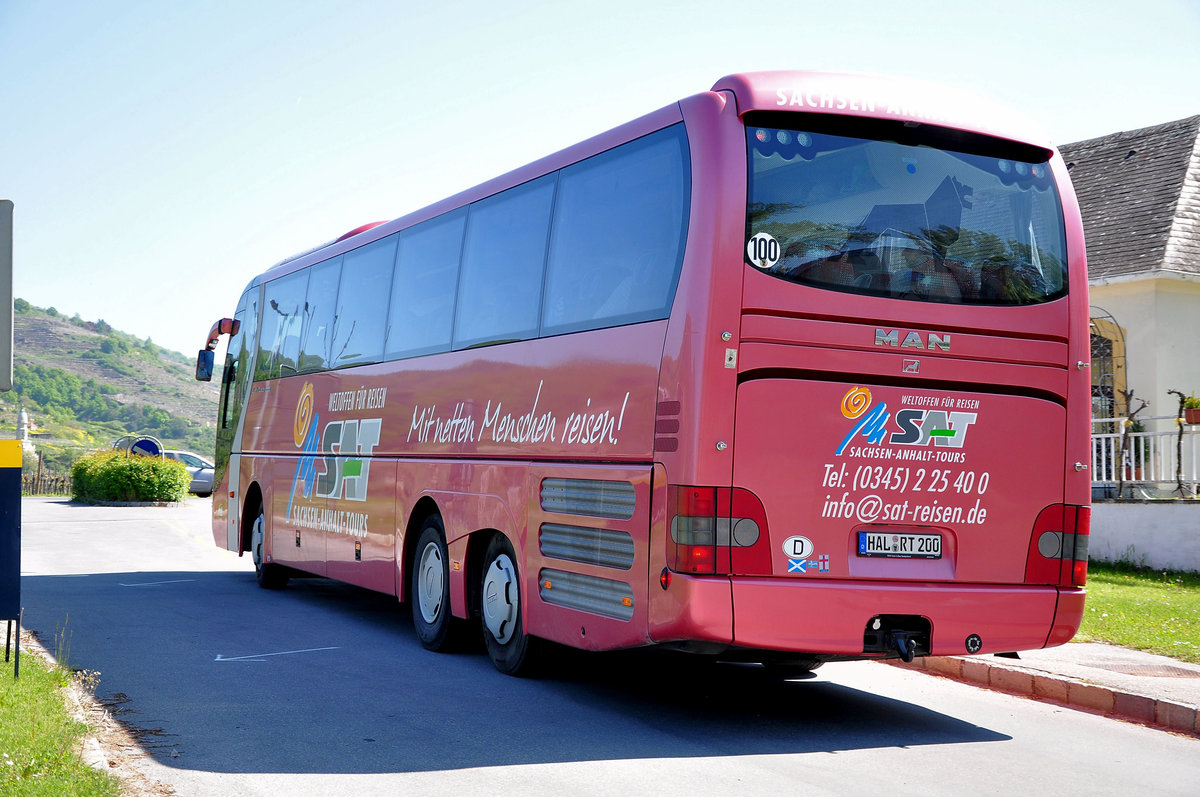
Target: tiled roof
1140,195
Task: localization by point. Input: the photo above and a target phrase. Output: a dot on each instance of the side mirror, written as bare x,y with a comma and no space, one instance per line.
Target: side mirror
204,365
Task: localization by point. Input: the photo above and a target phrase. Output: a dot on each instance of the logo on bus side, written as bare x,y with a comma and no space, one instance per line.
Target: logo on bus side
344,476
913,427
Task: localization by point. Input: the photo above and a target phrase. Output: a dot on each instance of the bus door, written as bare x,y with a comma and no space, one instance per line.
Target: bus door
235,383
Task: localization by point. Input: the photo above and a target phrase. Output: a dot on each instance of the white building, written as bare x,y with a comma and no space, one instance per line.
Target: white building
1140,196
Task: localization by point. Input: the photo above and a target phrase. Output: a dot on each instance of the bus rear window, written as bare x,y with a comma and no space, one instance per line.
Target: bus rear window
904,220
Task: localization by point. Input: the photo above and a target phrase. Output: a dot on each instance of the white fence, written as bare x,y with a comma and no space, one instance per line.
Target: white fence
1146,463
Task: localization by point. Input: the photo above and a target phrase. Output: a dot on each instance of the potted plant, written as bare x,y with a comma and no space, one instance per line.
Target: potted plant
1191,409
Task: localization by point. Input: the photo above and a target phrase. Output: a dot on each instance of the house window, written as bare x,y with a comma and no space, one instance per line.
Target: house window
1108,367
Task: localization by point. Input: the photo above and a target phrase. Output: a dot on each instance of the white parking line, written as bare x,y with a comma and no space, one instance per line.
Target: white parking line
261,656
156,583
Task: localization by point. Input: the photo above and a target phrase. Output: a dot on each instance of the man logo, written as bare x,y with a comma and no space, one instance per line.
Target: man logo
912,340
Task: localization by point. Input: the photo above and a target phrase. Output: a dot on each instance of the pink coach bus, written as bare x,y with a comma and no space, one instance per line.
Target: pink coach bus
792,370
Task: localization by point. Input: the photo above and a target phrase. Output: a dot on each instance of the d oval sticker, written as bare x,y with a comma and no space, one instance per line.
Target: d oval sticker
797,547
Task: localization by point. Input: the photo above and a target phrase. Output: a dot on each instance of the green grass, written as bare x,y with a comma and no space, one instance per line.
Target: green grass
39,742
1152,610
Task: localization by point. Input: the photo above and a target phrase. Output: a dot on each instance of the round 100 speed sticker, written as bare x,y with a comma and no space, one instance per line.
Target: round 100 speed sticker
762,250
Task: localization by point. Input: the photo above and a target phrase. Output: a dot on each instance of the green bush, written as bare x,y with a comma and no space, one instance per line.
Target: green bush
115,476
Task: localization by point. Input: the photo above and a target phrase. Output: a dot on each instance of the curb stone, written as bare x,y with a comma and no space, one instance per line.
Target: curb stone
1064,690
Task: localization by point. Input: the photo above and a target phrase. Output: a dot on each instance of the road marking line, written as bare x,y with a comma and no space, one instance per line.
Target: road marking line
156,583
261,656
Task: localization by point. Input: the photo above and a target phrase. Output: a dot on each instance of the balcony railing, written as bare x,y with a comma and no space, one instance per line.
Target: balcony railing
1152,462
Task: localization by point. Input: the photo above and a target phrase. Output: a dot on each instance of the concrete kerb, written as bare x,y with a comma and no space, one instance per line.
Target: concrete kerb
1063,690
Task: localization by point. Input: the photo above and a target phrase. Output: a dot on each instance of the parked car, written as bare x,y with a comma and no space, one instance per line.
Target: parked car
200,468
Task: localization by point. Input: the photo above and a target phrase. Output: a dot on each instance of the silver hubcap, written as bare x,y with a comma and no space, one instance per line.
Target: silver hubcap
256,541
430,584
500,599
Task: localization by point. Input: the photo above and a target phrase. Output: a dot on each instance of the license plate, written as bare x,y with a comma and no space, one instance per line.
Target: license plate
896,545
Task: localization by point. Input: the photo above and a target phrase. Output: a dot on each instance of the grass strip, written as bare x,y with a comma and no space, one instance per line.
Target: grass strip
1152,610
39,741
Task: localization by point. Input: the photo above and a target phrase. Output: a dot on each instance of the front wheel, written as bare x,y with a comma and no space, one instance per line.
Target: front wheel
430,589
268,575
511,650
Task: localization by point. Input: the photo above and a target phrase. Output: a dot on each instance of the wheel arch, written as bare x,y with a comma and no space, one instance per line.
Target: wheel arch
477,545
253,499
424,509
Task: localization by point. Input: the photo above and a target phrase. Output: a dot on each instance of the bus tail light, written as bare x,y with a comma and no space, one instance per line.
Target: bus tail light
749,542
693,544
1079,554
1058,547
717,530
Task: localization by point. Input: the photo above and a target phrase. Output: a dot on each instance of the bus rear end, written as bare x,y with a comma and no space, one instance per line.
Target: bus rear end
910,428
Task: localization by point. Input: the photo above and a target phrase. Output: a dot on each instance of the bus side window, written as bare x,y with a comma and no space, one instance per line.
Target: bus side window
616,242
316,338
500,288
362,296
421,312
282,317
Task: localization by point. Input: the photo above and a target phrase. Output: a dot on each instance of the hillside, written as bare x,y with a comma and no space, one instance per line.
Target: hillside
85,384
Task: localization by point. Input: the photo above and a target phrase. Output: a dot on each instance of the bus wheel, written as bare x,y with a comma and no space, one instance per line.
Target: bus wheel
511,651
430,589
268,576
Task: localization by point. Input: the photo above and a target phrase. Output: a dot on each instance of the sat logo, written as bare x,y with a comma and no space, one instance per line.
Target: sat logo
916,427
342,476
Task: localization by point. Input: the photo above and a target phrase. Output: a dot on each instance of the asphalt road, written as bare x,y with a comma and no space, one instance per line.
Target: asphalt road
324,689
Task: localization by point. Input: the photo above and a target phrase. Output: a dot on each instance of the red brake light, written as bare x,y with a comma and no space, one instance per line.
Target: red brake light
1083,530
1058,546
717,530
693,543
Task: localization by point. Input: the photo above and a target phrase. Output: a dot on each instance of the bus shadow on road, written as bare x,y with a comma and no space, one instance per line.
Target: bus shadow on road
218,675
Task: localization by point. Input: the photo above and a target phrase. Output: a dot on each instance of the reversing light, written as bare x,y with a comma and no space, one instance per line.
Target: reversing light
1021,168
1004,166
803,139
783,137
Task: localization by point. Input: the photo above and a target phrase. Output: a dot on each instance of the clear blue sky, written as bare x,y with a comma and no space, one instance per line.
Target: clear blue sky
161,153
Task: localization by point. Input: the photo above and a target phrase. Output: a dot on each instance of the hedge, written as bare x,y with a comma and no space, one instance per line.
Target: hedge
116,476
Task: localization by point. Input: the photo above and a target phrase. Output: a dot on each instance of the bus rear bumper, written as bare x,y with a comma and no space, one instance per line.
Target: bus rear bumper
693,609
831,617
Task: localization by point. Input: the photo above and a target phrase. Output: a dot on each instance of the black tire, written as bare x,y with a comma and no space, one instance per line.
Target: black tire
511,650
429,589
268,575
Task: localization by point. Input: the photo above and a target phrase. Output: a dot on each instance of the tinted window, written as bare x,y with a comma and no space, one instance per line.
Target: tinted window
237,358
500,289
360,320
316,338
282,319
422,306
617,242
905,220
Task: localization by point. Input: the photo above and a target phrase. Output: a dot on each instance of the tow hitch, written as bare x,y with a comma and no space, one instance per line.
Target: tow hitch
904,635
